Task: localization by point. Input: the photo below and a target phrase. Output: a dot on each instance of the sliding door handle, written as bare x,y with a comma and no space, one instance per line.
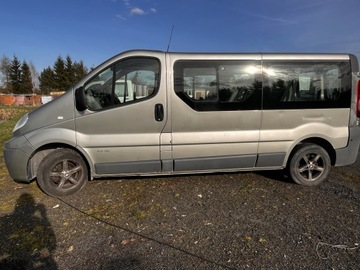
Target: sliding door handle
159,112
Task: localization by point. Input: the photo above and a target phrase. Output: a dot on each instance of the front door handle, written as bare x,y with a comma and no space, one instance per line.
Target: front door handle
159,112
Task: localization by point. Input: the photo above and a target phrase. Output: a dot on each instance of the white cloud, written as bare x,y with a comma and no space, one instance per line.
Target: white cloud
134,10
272,19
137,11
121,17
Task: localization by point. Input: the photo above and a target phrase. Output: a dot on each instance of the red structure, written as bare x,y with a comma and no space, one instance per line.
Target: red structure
24,100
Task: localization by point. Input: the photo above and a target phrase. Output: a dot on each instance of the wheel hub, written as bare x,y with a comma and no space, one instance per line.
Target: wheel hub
311,166
66,174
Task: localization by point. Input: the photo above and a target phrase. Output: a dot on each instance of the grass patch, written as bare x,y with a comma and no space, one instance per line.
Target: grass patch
9,115
8,118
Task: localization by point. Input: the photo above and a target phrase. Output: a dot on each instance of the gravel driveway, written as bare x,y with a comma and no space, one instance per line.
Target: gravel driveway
217,221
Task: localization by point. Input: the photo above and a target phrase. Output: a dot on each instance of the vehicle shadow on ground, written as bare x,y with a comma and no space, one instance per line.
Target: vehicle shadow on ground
27,239
277,175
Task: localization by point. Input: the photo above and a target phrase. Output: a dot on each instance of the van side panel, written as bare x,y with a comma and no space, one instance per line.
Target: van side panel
293,126
305,97
208,140
123,137
216,114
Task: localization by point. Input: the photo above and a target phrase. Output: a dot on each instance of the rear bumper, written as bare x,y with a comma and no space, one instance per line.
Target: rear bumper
349,154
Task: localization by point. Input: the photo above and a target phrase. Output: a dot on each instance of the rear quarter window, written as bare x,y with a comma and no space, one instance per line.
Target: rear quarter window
297,85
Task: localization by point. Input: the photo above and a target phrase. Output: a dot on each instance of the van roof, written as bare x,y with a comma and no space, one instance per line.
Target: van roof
257,55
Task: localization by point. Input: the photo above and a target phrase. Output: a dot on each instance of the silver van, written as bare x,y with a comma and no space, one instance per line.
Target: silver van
156,113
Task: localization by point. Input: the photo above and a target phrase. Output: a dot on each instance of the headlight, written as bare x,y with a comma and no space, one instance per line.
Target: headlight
21,122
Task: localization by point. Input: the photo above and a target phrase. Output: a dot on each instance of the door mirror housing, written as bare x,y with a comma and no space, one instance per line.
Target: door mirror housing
80,99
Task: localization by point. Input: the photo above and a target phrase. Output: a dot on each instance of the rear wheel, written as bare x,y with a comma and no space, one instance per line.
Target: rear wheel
309,165
62,172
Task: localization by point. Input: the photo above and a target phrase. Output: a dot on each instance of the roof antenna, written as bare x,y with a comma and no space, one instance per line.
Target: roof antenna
168,47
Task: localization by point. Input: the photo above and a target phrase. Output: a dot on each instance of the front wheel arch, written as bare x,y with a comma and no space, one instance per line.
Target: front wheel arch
43,151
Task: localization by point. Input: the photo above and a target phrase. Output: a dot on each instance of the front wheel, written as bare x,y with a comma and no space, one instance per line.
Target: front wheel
309,165
62,172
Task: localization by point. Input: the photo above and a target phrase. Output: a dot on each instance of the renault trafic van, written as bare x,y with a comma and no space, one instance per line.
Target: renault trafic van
156,113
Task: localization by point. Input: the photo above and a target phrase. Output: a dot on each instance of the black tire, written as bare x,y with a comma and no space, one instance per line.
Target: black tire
309,165
62,172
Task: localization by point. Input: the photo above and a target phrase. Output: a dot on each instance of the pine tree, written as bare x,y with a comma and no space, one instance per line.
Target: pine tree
15,76
69,70
26,85
80,71
63,75
47,80
60,75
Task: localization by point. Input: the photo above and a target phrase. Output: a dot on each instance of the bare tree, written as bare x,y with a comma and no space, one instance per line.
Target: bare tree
34,76
5,69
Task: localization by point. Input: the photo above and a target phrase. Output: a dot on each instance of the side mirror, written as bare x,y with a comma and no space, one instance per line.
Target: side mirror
80,99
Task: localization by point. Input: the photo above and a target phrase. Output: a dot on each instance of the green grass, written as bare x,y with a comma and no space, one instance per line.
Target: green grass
9,115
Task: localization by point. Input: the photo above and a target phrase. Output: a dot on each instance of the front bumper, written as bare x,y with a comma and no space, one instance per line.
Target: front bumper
17,152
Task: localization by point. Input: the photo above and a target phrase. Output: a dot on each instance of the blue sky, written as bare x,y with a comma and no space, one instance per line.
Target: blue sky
39,31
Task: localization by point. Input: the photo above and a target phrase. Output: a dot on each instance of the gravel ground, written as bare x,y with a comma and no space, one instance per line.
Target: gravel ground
217,221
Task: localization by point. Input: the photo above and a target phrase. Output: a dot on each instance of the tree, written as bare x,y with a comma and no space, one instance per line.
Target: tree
23,78
5,69
80,71
62,76
20,77
69,70
34,76
26,85
75,71
15,76
46,80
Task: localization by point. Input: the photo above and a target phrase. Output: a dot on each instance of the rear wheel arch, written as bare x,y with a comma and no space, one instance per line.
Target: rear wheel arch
317,141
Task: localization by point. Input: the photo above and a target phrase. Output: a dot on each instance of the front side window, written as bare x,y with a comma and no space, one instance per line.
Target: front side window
298,85
125,82
219,85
